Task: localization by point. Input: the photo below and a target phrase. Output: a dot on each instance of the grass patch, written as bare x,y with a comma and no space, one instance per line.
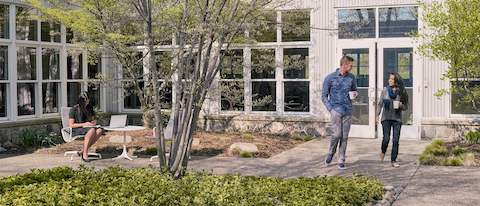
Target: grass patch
146,186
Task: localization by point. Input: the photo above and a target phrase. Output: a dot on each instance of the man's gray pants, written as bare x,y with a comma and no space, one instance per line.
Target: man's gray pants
339,129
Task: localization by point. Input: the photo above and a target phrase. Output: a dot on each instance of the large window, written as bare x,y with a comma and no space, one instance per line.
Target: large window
74,89
26,63
50,63
356,23
463,100
131,99
263,80
295,73
232,84
397,22
295,26
392,22
50,32
4,21
266,30
26,26
51,97
3,80
26,99
75,65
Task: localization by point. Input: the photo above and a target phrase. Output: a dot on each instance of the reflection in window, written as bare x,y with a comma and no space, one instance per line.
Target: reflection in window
166,97
163,61
397,22
296,96
26,63
232,95
50,94
94,67
135,71
93,93
74,89
356,23
263,64
50,32
360,65
50,63
296,26
131,100
3,100
463,101
3,62
26,27
265,30
263,96
295,63
4,25
69,35
399,60
26,98
232,65
74,66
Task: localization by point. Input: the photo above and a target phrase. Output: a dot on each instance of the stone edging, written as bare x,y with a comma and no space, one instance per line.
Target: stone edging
391,193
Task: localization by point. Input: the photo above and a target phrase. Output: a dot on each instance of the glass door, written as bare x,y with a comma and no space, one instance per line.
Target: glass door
399,57
363,53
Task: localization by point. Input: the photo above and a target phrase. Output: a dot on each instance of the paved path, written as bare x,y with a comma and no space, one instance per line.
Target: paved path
422,185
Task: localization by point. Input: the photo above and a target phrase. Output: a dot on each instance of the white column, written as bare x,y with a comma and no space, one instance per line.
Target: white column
12,67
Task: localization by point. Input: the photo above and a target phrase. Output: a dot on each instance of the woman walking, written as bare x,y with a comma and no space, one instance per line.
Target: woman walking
393,101
82,121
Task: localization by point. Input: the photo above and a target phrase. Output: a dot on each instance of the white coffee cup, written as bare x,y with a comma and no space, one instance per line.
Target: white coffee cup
352,94
396,104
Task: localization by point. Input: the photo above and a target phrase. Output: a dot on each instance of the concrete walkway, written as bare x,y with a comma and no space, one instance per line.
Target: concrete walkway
419,185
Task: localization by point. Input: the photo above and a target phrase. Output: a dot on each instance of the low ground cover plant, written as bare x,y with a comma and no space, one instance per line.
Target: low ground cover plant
457,153
147,186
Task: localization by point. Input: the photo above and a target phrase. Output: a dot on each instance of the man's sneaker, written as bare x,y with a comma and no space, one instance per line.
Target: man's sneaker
395,164
328,160
382,156
341,166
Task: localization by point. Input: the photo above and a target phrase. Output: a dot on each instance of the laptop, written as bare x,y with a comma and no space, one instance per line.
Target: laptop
118,121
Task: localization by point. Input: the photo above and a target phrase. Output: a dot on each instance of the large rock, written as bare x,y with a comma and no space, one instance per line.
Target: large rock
119,139
245,147
2,149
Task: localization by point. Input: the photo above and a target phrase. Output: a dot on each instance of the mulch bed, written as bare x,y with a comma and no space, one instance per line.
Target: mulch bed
210,144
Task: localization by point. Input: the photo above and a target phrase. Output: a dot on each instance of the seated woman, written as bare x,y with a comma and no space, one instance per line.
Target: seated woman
82,122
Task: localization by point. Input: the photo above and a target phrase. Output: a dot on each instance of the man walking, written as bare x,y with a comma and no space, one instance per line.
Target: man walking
338,91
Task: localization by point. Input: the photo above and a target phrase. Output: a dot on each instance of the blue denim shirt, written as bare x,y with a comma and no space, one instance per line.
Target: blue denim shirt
335,92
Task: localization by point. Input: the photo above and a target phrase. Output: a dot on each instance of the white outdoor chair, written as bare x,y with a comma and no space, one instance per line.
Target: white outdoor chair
167,133
67,134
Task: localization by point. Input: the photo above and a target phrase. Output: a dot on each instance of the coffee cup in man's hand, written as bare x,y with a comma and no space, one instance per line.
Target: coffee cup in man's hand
352,94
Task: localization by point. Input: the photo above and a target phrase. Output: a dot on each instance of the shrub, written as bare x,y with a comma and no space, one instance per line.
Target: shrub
454,161
151,151
457,150
38,138
472,137
146,186
246,154
247,136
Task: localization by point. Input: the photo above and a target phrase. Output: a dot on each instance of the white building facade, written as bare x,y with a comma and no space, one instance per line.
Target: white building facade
40,71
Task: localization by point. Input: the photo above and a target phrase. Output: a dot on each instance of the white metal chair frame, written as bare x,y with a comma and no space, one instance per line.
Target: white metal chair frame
67,134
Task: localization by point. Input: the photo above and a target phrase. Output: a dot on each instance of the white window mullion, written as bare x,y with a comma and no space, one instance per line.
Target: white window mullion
38,84
279,79
247,67
12,68
63,76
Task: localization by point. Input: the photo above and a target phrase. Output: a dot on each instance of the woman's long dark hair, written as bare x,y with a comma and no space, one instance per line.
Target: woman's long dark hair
84,107
401,87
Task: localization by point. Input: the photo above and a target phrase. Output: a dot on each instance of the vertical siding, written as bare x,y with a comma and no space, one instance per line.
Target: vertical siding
363,3
436,107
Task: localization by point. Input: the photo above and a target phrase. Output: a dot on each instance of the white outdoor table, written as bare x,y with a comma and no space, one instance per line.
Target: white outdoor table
125,130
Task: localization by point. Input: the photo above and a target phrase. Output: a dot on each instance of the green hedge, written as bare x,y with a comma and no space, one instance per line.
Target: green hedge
146,186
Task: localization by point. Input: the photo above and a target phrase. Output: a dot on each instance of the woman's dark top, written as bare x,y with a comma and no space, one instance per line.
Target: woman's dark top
80,116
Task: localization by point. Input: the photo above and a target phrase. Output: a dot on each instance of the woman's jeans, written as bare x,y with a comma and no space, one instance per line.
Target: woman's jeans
387,127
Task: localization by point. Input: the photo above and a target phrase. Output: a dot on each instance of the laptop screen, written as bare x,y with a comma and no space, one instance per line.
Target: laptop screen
117,121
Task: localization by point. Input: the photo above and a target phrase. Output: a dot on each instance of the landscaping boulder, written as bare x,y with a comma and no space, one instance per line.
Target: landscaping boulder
242,147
